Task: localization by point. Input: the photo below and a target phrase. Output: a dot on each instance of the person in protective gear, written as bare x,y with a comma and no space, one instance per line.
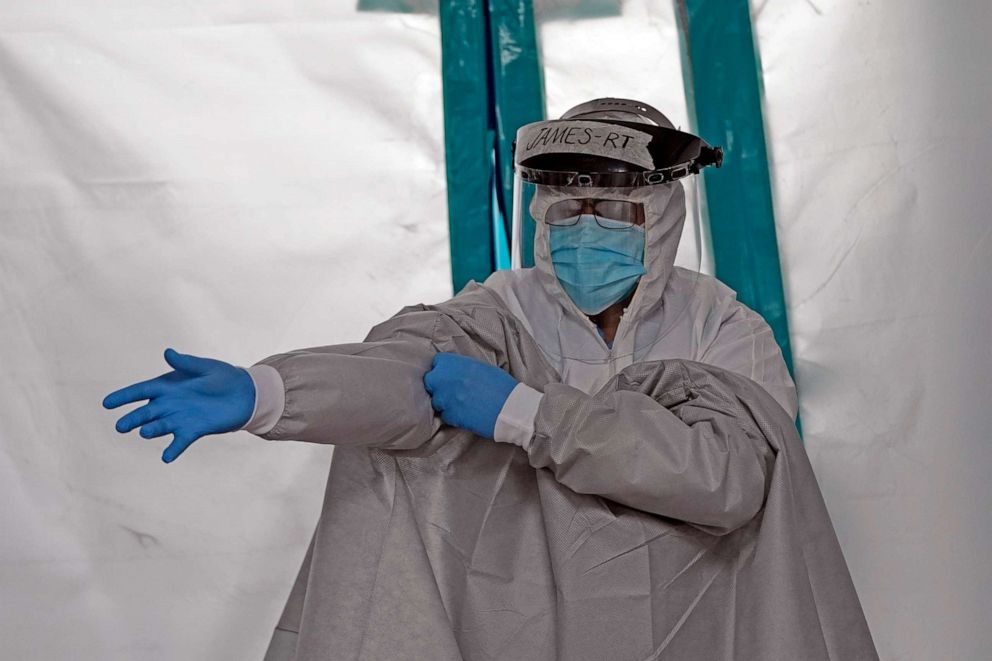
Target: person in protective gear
644,494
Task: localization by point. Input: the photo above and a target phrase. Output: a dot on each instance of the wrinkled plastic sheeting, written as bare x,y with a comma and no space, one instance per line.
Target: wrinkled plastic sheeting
232,180
877,123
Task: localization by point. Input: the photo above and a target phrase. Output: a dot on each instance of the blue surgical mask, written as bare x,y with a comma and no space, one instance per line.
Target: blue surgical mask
597,266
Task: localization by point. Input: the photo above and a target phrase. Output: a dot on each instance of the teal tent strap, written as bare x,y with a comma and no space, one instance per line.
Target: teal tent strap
501,243
467,141
724,88
518,92
493,84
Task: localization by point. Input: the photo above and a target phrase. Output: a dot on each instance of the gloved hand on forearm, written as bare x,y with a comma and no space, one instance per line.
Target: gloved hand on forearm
468,393
200,396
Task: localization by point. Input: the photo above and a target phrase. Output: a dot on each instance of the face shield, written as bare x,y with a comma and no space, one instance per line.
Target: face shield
618,174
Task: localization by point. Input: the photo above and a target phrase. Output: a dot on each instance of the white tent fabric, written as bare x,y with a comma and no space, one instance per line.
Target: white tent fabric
240,178
231,179
877,122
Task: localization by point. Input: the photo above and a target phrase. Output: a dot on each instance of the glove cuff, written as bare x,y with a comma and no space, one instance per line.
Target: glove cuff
270,399
515,423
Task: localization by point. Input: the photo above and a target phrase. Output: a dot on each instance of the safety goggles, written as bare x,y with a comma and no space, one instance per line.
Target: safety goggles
609,214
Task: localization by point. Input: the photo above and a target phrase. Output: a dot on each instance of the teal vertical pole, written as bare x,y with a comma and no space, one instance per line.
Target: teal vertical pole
518,90
493,84
467,140
723,85
501,238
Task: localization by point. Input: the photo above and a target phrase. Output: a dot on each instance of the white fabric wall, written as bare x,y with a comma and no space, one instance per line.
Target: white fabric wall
236,179
877,117
232,179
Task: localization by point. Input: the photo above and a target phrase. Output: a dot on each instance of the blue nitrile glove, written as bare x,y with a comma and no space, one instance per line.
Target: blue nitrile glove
200,396
468,393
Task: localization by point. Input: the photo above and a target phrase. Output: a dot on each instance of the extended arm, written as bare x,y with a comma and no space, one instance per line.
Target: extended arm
369,393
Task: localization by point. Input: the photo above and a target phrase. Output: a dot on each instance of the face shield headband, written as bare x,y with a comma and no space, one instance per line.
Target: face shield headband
608,153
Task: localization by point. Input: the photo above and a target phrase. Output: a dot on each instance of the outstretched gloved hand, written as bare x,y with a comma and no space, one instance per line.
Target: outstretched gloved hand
200,396
468,393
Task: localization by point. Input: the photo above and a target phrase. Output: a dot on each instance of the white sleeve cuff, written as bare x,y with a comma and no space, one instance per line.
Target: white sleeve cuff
270,399
515,423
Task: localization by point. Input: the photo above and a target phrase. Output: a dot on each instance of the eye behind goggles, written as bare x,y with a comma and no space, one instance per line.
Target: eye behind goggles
609,214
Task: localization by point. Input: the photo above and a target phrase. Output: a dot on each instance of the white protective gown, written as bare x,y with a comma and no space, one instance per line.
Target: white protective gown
387,437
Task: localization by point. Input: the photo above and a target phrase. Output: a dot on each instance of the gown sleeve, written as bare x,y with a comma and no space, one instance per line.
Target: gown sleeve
744,344
367,393
689,450
681,446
